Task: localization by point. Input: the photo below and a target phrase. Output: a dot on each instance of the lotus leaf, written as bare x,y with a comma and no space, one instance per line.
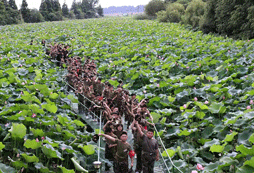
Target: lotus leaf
217,108
211,167
50,152
230,137
88,149
64,170
30,159
211,143
245,169
18,130
1,146
37,132
33,144
216,148
4,169
245,150
170,152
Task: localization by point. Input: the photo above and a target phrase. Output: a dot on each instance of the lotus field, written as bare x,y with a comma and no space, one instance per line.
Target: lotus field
200,88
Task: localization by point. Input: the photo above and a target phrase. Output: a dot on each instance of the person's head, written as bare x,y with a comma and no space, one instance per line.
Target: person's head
115,109
139,110
124,136
108,130
149,133
133,95
144,108
119,127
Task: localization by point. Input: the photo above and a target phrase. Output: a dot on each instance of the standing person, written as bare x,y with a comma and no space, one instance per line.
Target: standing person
122,151
138,144
150,152
110,147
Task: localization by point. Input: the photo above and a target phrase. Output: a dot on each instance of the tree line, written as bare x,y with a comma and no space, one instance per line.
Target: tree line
50,10
232,18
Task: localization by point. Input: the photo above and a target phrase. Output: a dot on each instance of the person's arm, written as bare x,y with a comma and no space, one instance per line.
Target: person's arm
108,137
157,155
112,145
139,129
132,125
132,160
104,127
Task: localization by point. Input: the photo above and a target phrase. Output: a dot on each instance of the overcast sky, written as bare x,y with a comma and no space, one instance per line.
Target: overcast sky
104,3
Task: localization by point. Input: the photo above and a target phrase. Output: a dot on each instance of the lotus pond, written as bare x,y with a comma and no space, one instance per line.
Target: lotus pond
200,88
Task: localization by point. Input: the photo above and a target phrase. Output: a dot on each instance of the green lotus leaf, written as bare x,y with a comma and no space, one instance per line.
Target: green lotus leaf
250,162
22,71
245,169
88,149
113,82
216,107
1,146
79,123
170,152
53,96
228,161
211,143
166,112
68,134
179,163
172,131
251,138
6,169
29,158
32,144
249,115
50,107
216,148
163,120
200,115
199,160
156,117
37,132
171,99
72,98
50,152
245,150
230,137
207,132
211,167
185,132
154,99
18,164
42,168
67,148
18,130
243,70
201,105
243,138
64,170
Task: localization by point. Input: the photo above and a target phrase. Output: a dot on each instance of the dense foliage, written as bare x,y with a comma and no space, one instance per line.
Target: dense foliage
225,17
200,89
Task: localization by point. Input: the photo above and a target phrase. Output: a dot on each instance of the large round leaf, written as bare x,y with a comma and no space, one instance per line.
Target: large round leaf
18,130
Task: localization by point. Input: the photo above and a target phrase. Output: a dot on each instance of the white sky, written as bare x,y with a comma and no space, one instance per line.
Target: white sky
103,3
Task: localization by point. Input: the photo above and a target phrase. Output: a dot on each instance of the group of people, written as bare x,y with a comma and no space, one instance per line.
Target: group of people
114,105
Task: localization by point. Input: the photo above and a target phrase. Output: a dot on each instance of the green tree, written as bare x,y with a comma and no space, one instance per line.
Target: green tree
100,10
25,11
154,6
208,23
36,16
194,13
65,10
2,14
12,4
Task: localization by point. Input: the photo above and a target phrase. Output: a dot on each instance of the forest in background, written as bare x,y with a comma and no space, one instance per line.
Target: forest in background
230,18
50,10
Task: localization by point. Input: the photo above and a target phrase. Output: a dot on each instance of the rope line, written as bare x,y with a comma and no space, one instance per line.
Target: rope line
86,107
163,161
166,150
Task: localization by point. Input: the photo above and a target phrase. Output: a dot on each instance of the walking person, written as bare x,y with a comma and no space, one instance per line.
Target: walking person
150,152
123,149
